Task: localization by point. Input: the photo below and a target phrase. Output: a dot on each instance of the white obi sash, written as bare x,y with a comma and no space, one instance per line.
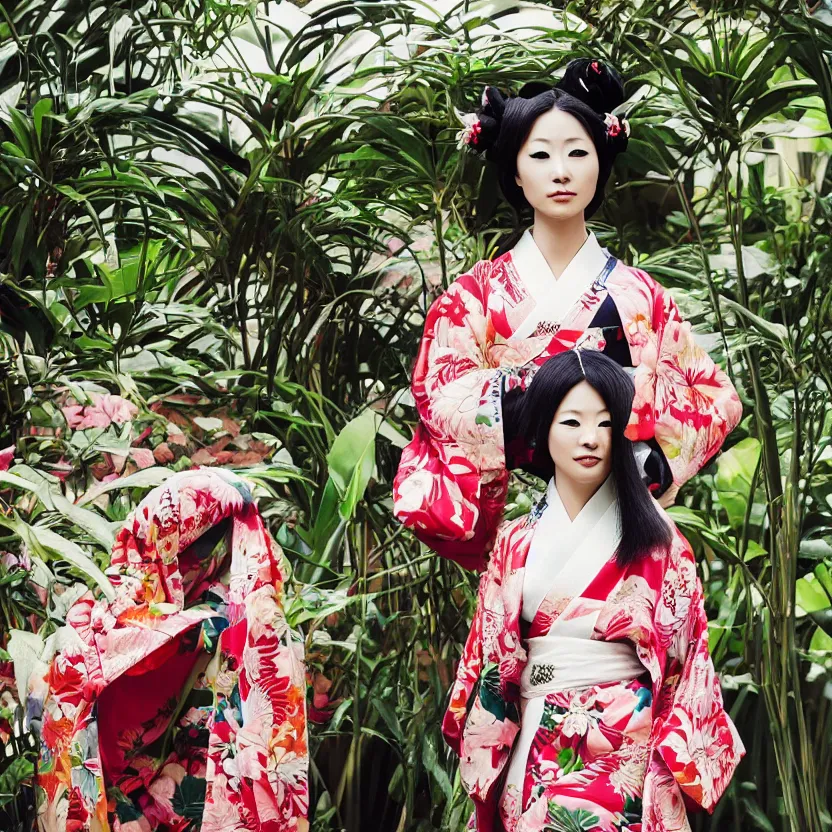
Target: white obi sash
565,662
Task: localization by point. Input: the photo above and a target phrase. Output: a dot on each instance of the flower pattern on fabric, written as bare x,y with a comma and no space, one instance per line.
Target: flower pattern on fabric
589,756
451,485
627,754
182,701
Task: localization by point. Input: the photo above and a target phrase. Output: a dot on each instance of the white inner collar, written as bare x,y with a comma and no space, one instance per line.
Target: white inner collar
557,294
557,541
592,510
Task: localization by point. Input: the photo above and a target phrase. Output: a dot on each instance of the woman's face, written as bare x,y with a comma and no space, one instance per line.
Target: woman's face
580,438
557,167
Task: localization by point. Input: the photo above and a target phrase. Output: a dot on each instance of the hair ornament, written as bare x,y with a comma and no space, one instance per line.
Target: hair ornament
470,133
616,126
578,353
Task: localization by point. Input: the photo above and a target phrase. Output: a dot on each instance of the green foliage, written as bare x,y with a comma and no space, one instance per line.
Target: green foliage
220,228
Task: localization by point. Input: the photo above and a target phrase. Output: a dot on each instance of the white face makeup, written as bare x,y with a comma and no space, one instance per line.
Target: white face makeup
557,167
580,439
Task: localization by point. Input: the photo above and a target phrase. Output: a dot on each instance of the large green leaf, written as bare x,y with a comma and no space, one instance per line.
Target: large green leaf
774,100
48,544
813,592
351,460
735,473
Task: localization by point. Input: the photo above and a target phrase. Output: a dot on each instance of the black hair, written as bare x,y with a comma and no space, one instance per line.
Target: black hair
589,89
643,528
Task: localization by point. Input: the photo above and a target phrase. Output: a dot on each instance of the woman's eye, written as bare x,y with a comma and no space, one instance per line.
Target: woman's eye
541,154
605,424
572,423
578,152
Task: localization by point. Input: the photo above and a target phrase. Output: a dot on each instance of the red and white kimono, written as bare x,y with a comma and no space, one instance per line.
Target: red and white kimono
178,702
586,697
488,334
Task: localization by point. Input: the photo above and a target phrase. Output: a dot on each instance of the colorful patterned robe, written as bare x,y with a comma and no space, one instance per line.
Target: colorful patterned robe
182,700
630,755
452,479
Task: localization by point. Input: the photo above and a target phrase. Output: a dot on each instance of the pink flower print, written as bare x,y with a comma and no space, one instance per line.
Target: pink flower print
158,809
140,824
673,609
142,457
535,817
90,618
669,812
578,720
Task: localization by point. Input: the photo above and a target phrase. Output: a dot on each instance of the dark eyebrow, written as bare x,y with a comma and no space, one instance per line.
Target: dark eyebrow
582,412
565,141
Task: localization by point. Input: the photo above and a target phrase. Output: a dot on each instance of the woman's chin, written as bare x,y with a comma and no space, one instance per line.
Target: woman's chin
584,477
559,211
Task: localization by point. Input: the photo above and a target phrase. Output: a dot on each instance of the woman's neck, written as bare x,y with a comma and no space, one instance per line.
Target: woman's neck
574,495
559,240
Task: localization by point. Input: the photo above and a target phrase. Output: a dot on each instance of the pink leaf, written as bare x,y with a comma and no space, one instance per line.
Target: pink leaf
142,457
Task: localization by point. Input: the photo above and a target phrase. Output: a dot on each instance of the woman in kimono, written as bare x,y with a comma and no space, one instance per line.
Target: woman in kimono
586,698
486,336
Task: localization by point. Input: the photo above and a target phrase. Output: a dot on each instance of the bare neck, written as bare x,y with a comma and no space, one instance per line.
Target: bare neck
574,495
559,240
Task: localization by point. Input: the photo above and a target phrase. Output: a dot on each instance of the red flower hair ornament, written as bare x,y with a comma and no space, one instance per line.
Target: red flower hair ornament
616,126
470,133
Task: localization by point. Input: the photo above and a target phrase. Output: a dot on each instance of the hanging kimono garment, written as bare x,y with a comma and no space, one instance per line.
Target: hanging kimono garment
486,336
179,703
586,697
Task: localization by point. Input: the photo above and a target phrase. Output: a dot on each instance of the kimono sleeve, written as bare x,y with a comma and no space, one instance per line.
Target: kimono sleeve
483,718
683,400
451,481
467,675
694,739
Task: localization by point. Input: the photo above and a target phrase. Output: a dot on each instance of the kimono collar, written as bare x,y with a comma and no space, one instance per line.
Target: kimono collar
593,509
558,292
557,538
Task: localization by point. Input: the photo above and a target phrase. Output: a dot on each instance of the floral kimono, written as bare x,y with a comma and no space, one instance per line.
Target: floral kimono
485,337
586,697
180,701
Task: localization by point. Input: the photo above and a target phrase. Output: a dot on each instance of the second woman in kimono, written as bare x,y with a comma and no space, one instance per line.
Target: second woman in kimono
486,336
586,697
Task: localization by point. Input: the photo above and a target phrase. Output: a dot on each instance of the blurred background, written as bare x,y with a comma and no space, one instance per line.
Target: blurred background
221,224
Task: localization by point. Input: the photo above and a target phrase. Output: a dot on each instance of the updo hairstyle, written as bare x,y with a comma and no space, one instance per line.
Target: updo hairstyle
590,90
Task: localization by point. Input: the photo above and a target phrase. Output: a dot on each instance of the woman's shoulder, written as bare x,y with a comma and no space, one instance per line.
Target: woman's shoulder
512,536
637,293
472,283
472,288
483,272
625,275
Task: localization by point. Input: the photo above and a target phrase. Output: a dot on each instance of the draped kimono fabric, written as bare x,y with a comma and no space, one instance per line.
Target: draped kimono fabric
627,755
180,703
488,334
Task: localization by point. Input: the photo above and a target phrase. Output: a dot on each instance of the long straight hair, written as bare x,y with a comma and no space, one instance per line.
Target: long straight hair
643,528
